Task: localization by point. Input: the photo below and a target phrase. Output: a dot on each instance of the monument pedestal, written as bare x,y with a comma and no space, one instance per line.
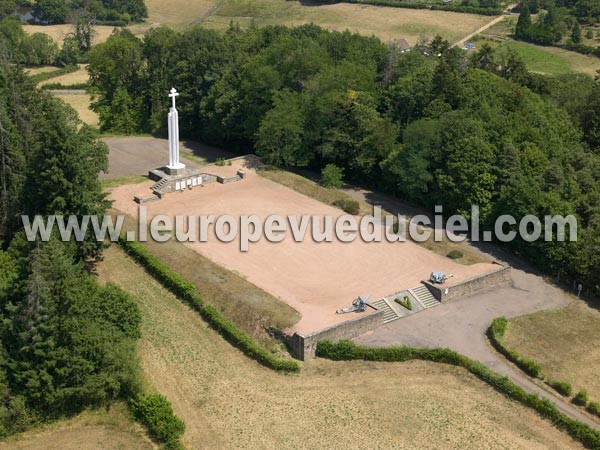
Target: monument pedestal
175,171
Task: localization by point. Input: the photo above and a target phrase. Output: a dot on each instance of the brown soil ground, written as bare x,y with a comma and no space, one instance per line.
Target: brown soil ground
314,278
566,342
229,401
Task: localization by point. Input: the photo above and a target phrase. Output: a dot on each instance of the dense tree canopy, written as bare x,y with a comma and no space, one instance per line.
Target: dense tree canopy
66,343
431,125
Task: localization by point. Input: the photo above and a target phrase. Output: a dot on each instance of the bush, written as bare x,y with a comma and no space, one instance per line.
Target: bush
332,176
155,412
220,162
496,335
187,292
349,206
594,408
562,387
581,398
348,350
404,302
455,254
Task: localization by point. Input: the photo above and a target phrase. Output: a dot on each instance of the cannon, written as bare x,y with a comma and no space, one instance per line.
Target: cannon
358,305
439,277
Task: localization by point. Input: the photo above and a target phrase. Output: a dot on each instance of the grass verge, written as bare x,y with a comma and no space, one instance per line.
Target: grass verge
186,291
496,333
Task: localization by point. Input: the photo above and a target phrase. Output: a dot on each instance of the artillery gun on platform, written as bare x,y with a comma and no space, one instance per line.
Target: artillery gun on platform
358,305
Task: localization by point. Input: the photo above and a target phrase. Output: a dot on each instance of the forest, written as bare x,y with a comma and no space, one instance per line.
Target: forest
431,126
117,12
562,22
66,343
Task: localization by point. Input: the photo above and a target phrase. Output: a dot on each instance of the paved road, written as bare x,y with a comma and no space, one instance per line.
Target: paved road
461,325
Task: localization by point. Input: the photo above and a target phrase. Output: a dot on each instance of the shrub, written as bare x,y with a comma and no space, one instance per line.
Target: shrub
187,292
594,408
220,162
562,387
155,412
348,350
496,335
581,398
404,302
349,206
455,254
332,176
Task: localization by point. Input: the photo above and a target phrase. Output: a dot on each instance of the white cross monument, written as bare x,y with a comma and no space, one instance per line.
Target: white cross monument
174,167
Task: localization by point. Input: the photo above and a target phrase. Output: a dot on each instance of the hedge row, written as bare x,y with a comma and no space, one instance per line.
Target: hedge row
187,292
496,335
433,7
55,86
39,77
155,412
347,350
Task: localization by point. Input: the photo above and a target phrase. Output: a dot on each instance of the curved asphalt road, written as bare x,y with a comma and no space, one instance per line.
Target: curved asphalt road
461,325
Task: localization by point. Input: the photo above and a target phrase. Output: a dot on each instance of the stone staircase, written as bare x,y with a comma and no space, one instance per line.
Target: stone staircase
157,187
389,313
423,296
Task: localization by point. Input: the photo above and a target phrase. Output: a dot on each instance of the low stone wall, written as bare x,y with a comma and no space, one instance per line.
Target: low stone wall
445,292
303,346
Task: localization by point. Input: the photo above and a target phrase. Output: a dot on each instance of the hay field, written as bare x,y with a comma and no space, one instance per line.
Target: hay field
91,430
58,32
77,77
565,341
384,22
40,69
81,104
229,401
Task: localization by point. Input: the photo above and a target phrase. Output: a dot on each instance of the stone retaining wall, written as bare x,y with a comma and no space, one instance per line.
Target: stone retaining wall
303,346
445,292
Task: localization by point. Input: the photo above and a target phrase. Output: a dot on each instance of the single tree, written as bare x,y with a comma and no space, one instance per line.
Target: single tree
523,24
332,176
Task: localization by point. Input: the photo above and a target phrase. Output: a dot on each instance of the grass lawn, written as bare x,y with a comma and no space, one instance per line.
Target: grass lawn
93,430
545,60
229,401
566,342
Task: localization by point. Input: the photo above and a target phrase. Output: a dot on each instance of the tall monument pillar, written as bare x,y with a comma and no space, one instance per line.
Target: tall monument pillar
175,167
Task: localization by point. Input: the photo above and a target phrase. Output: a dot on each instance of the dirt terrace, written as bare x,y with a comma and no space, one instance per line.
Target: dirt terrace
314,278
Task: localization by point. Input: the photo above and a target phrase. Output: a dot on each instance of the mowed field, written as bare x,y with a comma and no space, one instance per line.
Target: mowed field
59,32
314,278
91,430
566,342
77,77
384,22
540,59
81,104
229,401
